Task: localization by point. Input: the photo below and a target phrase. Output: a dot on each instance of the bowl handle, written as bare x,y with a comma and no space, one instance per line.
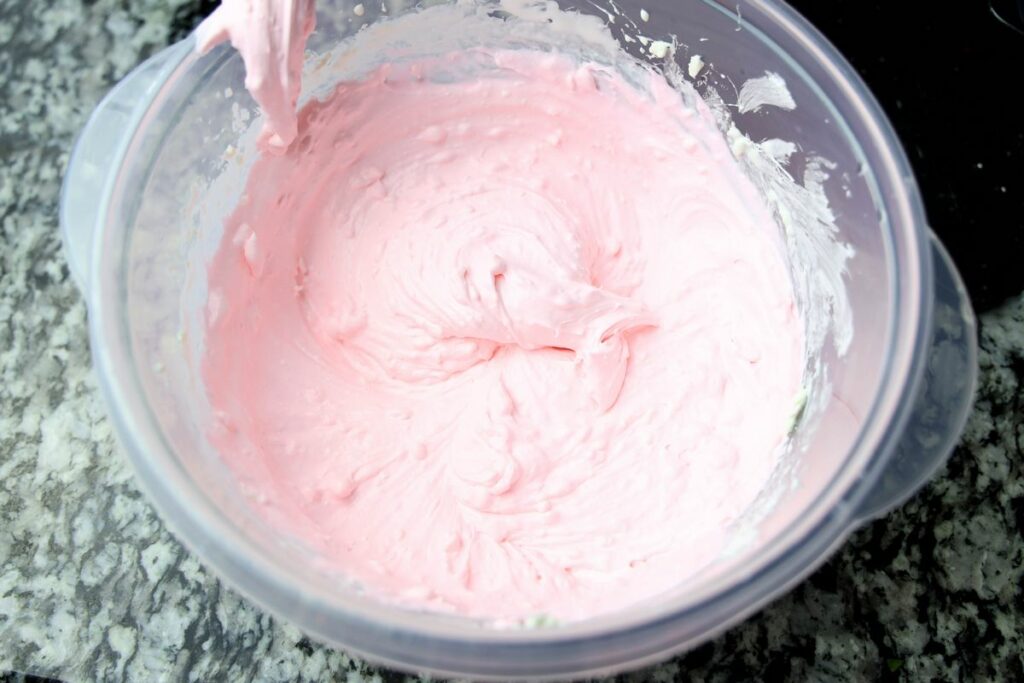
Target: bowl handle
98,152
944,398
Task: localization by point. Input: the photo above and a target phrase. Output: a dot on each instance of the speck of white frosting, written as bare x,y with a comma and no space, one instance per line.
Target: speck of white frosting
695,66
659,48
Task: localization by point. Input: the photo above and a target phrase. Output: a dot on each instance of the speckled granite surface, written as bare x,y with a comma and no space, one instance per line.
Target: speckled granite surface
92,586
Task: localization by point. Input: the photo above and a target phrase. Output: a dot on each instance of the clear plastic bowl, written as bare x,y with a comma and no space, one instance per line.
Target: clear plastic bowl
899,397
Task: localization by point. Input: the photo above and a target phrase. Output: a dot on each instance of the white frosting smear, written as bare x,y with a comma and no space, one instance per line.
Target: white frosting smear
765,91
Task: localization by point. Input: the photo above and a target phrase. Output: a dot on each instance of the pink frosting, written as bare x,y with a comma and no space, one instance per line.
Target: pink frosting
501,334
271,37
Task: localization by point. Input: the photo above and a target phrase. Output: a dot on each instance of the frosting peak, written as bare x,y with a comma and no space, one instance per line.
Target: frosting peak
271,37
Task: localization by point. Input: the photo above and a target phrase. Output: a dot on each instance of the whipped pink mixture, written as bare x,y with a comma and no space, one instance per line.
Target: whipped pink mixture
502,334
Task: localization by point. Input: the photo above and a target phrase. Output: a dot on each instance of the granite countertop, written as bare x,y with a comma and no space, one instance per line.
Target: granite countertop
93,587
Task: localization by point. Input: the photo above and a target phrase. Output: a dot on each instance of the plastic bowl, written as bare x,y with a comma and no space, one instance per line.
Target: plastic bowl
136,217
